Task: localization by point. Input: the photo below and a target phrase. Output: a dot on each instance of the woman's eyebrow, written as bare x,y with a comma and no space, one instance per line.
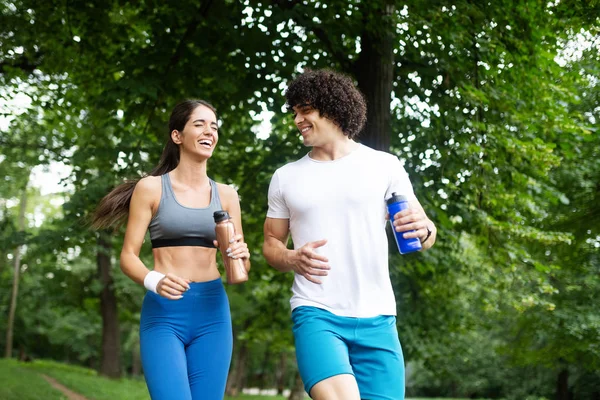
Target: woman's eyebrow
203,121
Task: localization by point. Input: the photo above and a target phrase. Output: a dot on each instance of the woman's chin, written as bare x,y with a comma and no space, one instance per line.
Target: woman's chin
201,155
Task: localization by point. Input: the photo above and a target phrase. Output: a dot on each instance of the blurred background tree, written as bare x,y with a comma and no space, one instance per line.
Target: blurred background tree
493,108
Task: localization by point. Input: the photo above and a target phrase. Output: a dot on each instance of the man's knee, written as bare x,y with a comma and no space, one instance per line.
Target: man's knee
338,387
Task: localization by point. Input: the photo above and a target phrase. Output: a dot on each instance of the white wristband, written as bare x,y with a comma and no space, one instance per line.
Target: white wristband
151,280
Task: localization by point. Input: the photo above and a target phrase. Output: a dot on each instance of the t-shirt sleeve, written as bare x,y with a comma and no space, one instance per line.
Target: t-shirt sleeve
277,206
399,180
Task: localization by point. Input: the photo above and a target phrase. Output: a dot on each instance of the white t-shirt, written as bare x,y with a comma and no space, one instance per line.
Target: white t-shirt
342,201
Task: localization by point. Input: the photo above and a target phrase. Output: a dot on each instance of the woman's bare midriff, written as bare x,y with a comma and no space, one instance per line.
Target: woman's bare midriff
198,264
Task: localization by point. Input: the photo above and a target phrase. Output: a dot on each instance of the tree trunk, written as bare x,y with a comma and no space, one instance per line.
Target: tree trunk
17,272
237,378
136,361
280,373
562,385
231,376
375,75
110,364
263,375
297,392
23,357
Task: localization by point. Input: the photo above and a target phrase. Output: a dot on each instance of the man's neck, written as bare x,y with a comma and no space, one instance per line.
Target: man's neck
333,150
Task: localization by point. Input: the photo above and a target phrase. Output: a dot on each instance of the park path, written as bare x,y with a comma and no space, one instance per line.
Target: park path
71,395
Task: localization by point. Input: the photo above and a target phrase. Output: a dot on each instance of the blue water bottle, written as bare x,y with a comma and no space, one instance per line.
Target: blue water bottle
395,204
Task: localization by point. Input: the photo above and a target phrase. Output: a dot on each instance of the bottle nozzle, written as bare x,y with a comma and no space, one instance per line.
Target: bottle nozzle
220,215
396,198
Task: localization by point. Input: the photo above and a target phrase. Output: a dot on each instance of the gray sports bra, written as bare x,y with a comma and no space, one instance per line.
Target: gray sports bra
177,225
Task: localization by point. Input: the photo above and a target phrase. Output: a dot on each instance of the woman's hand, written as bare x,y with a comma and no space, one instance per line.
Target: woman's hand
237,248
172,286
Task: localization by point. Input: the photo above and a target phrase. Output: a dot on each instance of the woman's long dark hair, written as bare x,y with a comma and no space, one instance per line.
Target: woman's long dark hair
114,207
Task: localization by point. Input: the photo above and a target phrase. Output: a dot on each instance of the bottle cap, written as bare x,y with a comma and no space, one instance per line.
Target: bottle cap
220,215
396,198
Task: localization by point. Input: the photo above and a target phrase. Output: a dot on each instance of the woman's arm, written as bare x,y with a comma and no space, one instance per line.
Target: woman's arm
231,203
145,197
140,214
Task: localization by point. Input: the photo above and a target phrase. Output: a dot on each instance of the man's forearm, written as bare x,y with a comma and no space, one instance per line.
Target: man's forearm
277,254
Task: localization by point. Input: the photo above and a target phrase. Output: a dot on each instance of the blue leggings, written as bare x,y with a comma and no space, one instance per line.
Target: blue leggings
186,344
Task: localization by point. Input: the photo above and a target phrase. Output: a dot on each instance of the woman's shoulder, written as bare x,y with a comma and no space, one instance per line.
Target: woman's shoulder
149,185
226,189
227,192
149,182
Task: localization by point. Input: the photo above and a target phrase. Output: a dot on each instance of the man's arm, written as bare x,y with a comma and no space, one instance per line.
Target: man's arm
276,253
303,261
414,218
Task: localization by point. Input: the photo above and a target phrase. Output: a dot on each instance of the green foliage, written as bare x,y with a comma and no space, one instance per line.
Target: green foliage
500,140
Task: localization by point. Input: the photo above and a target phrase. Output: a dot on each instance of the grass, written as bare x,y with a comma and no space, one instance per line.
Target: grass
23,381
87,383
19,383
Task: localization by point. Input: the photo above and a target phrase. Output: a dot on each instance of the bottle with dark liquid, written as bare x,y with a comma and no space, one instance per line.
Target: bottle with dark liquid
225,230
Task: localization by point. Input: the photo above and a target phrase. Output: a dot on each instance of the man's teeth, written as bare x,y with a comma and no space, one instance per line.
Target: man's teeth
305,129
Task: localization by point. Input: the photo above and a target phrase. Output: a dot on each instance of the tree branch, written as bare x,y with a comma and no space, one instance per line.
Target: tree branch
24,64
185,38
339,55
187,35
306,22
286,4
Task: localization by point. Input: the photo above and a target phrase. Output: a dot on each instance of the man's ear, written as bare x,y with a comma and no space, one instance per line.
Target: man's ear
176,136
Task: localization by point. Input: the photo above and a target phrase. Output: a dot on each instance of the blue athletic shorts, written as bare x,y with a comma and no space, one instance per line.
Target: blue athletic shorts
368,348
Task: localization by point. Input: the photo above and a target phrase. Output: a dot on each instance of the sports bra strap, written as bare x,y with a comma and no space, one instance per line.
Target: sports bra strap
167,186
215,198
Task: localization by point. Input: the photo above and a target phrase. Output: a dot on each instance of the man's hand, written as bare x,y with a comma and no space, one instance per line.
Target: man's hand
412,219
306,262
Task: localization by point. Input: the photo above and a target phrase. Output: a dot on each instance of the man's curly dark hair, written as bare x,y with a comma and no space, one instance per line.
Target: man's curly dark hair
332,94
